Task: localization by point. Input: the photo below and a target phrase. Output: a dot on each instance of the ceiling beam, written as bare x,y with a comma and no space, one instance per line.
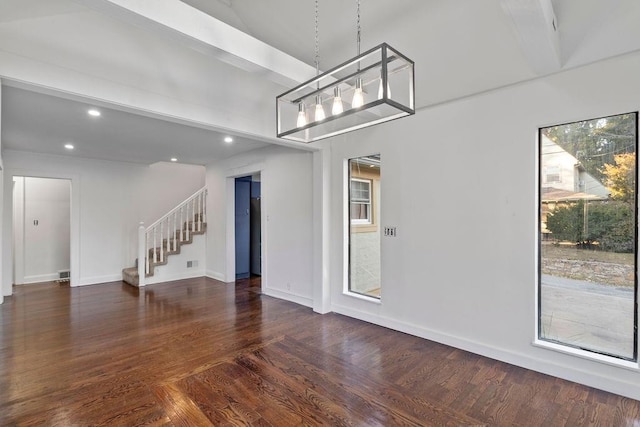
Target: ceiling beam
209,35
536,25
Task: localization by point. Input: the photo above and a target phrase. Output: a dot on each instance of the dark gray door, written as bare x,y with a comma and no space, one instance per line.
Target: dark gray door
256,250
243,227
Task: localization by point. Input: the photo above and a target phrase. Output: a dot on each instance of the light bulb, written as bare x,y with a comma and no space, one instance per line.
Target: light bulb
302,116
358,97
319,116
380,89
337,102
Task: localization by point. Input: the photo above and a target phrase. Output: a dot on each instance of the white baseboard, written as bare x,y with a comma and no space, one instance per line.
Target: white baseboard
298,299
189,274
39,278
566,372
96,280
215,275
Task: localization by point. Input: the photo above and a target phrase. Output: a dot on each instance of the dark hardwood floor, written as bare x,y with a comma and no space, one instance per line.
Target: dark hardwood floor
199,352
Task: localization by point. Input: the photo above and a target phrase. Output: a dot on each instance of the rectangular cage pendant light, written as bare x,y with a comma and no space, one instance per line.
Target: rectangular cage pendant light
374,87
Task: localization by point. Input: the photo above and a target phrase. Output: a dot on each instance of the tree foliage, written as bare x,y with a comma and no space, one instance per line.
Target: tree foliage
606,148
620,177
596,142
609,225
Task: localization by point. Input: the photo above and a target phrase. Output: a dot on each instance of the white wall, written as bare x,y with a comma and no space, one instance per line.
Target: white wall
158,190
287,229
105,210
2,235
460,183
41,250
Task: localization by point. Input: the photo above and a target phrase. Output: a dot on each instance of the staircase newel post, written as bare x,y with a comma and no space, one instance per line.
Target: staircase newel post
142,256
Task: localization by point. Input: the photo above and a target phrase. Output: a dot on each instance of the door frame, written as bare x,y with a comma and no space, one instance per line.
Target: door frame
19,229
7,244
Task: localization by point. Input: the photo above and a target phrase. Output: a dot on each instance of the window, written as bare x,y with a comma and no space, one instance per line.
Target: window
552,174
363,219
360,201
587,236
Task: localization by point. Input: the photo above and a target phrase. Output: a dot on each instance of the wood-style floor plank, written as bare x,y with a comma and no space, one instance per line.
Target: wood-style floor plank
199,352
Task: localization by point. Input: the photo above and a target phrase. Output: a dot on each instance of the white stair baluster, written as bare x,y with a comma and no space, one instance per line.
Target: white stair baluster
155,245
167,245
186,225
204,207
200,212
196,210
181,224
161,245
147,259
175,229
196,214
193,213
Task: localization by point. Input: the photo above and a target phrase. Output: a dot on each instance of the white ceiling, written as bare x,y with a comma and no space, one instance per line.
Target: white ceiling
461,48
41,123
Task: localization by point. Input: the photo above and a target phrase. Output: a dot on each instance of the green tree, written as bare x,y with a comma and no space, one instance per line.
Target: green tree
609,224
566,222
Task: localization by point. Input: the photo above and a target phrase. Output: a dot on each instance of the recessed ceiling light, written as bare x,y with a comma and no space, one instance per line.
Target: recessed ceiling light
173,159
68,146
228,139
93,112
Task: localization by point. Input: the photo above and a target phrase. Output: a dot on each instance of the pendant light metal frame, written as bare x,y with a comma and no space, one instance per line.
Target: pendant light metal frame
380,67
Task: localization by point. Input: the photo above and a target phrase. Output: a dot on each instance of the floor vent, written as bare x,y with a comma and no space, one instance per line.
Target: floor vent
63,276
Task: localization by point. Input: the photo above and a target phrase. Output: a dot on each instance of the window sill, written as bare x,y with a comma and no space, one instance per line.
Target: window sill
364,228
362,297
588,355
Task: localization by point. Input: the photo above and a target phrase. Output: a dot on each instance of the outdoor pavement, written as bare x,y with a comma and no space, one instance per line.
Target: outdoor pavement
588,315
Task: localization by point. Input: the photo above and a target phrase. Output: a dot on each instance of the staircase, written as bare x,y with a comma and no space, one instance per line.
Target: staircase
166,236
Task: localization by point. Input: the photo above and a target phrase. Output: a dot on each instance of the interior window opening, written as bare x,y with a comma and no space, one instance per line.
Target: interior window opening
364,226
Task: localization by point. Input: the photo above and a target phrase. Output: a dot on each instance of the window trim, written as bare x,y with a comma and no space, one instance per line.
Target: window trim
632,363
352,227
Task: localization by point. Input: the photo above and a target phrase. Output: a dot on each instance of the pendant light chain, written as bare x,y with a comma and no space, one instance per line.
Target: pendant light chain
358,30
317,58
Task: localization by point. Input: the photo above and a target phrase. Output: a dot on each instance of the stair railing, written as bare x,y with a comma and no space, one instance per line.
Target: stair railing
174,227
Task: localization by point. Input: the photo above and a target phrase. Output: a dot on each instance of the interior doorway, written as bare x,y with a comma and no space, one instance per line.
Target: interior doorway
248,233
41,229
